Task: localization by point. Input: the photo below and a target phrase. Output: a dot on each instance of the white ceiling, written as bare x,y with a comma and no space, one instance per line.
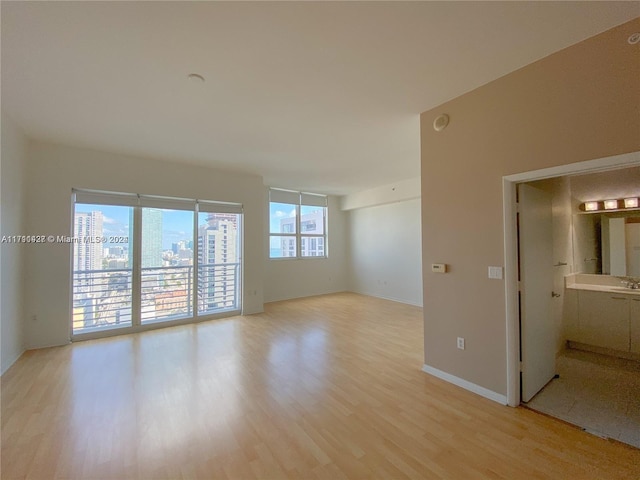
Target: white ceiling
322,97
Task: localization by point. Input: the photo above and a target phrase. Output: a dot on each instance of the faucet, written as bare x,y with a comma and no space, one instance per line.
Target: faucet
631,282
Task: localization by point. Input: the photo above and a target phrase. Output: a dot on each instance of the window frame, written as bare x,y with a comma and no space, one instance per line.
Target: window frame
138,202
298,200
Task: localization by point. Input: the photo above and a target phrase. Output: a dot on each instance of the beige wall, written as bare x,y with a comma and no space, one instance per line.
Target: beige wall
579,104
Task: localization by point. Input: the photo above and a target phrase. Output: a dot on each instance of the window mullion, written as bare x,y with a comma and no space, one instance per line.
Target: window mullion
324,231
298,231
195,262
136,282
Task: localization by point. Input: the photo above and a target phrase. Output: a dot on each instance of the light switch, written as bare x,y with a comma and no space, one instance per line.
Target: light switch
495,273
439,267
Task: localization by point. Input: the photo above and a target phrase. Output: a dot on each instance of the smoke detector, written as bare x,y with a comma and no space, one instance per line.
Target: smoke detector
195,78
441,122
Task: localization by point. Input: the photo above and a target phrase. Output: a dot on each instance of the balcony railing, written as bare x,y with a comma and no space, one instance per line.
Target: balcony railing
103,298
218,287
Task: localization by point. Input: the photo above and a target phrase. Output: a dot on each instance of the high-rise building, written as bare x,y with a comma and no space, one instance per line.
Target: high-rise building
151,237
310,224
217,239
217,246
88,253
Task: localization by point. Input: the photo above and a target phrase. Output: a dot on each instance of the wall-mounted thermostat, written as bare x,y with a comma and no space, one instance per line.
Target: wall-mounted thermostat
439,267
495,273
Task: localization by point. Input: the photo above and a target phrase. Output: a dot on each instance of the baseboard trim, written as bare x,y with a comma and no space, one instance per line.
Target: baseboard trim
11,362
472,387
392,299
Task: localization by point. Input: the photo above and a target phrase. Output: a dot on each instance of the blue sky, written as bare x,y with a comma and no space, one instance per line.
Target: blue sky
176,224
278,211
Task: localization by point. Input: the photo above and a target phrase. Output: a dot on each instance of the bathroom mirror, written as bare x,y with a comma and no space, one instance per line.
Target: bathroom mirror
607,243
600,242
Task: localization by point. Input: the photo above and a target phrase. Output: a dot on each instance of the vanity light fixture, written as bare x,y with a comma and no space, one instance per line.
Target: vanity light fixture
610,204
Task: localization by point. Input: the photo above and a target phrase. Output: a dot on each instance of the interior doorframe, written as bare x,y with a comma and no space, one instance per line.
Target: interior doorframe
509,183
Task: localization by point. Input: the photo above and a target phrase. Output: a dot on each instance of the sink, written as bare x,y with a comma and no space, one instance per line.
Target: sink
627,290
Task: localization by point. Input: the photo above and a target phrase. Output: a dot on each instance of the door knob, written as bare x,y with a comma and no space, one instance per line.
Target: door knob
555,295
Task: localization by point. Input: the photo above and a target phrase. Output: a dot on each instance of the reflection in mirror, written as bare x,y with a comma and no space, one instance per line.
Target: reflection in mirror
607,244
587,247
620,240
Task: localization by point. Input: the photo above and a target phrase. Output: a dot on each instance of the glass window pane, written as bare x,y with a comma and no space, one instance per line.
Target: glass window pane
166,277
312,220
218,262
312,247
102,273
282,218
282,247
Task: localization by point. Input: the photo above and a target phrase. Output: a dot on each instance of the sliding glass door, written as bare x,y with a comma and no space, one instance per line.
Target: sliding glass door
166,276
102,268
141,260
218,262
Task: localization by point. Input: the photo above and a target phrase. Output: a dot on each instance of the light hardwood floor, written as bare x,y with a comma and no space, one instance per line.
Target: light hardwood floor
327,387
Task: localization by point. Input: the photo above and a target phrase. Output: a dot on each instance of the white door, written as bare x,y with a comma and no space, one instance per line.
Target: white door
537,342
633,249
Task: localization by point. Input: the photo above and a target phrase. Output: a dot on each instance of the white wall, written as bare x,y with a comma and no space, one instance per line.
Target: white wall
632,234
285,279
617,250
385,251
390,193
54,170
12,167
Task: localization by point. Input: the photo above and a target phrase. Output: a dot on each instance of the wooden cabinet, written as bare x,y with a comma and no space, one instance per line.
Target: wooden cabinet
603,320
634,325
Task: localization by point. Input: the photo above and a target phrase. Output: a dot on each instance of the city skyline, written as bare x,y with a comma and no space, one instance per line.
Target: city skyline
116,223
103,285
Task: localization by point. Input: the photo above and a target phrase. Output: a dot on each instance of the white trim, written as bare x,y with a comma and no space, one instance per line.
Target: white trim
46,345
472,387
11,362
589,166
510,250
391,299
511,292
400,191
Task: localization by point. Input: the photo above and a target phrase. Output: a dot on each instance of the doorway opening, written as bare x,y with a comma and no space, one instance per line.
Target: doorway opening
532,346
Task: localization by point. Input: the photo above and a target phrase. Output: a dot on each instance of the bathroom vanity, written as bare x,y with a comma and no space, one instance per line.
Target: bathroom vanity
601,312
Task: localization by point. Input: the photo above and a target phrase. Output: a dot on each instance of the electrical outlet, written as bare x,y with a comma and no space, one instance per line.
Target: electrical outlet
461,343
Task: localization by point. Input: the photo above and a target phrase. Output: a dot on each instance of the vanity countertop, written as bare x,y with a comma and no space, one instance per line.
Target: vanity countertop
598,283
603,288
